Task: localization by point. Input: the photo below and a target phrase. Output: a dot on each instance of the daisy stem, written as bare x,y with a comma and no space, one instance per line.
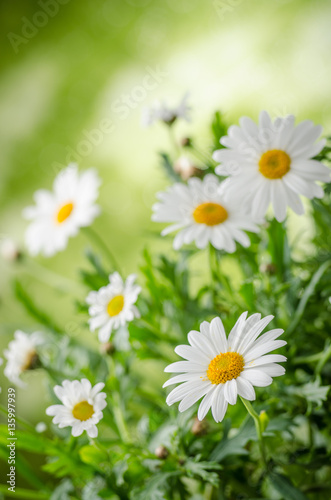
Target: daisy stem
216,275
119,418
102,246
50,278
173,140
258,427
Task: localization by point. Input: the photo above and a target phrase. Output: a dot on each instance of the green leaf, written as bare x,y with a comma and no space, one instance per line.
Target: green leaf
32,309
203,470
62,492
92,455
284,486
312,392
235,445
306,296
219,129
24,493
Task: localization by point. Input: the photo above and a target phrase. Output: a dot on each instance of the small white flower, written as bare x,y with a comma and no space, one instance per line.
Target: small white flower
201,212
219,368
21,355
161,111
58,215
272,163
113,305
81,406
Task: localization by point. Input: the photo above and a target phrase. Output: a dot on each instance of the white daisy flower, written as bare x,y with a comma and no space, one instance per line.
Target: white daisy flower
21,355
202,214
219,368
113,305
58,215
81,406
161,111
272,163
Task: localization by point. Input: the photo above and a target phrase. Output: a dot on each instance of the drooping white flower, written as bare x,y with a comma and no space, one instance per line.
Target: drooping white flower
113,305
21,355
161,111
220,368
59,214
81,406
272,163
202,214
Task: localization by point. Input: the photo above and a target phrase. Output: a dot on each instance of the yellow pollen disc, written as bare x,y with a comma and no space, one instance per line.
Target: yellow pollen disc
30,360
274,164
115,305
64,212
225,367
210,214
83,411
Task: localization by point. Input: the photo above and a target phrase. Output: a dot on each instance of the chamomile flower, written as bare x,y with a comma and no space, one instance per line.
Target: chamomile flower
220,368
272,163
161,111
21,355
81,406
59,214
201,213
113,305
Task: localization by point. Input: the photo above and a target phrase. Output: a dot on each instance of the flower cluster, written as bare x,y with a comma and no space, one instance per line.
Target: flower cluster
272,163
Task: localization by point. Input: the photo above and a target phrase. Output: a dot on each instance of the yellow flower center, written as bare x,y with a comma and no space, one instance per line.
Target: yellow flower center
64,212
274,164
115,305
210,213
30,360
225,367
83,411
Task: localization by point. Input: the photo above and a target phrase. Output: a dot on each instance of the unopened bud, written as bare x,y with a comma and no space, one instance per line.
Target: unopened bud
107,348
264,420
185,167
269,269
186,142
161,452
9,250
199,428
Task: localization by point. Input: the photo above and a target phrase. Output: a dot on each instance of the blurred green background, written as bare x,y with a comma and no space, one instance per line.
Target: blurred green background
66,71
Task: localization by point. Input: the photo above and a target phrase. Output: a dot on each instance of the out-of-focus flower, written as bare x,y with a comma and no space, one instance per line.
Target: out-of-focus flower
220,368
81,406
272,163
161,111
113,305
59,214
41,427
21,355
161,452
9,250
201,213
186,168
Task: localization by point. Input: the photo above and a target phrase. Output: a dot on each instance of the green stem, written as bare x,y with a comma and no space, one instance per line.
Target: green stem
102,246
48,277
119,418
173,140
258,427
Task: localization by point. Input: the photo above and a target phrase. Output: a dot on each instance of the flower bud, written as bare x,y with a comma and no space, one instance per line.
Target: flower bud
199,428
9,250
107,348
185,167
161,452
